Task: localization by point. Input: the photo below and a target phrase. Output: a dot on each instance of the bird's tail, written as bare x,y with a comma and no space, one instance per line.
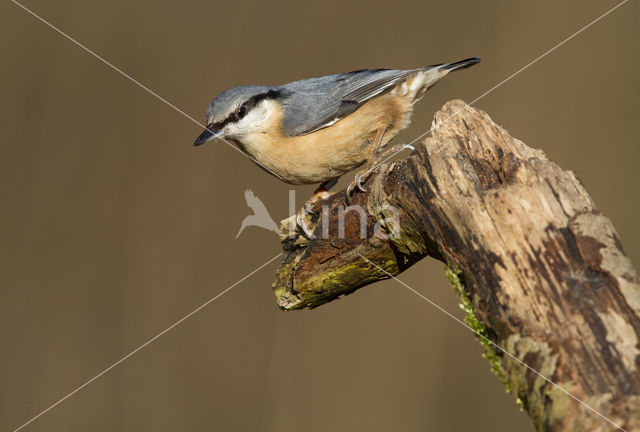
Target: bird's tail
462,64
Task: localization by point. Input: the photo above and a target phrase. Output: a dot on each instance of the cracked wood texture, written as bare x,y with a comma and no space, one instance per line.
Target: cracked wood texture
542,270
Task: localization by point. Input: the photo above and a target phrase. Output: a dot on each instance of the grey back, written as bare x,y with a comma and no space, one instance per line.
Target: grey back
314,103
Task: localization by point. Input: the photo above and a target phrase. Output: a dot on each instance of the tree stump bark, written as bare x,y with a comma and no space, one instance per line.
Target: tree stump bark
540,270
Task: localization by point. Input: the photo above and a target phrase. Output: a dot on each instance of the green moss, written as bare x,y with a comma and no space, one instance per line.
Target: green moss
323,286
521,404
478,326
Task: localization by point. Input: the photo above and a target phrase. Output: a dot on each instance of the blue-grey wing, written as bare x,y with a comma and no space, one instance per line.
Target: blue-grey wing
317,103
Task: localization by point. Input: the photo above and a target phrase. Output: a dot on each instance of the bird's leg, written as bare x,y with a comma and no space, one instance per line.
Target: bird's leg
321,193
389,153
371,165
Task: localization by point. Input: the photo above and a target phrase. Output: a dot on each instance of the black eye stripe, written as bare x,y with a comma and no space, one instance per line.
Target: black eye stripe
246,107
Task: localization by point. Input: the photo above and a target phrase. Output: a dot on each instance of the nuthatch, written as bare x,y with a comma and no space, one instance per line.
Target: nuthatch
315,130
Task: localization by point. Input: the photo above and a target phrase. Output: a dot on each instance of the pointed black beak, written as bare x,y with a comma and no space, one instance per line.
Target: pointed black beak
208,135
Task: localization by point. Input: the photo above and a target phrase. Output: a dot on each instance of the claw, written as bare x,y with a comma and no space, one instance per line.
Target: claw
349,190
308,208
364,177
358,180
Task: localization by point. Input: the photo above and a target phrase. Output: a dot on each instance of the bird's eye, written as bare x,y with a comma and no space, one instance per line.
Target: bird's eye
241,111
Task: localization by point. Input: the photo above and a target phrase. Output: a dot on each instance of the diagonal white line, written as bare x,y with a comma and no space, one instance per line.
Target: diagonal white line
504,81
138,83
189,315
459,321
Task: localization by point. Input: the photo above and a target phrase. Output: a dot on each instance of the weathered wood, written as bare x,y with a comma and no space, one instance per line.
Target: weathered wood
543,272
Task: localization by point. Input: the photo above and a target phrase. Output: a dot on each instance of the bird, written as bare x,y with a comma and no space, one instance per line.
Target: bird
317,129
260,216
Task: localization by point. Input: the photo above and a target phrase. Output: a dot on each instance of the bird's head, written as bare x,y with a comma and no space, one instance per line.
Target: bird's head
237,112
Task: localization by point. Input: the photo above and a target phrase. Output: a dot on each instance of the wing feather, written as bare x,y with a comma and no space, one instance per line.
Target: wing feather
322,102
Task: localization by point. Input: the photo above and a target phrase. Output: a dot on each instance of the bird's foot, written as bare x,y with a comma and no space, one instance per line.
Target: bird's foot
363,176
360,178
320,194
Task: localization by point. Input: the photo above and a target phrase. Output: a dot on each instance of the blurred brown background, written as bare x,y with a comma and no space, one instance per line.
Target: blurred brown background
113,227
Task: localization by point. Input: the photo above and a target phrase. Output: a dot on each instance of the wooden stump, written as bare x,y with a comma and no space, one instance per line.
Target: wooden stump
541,271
